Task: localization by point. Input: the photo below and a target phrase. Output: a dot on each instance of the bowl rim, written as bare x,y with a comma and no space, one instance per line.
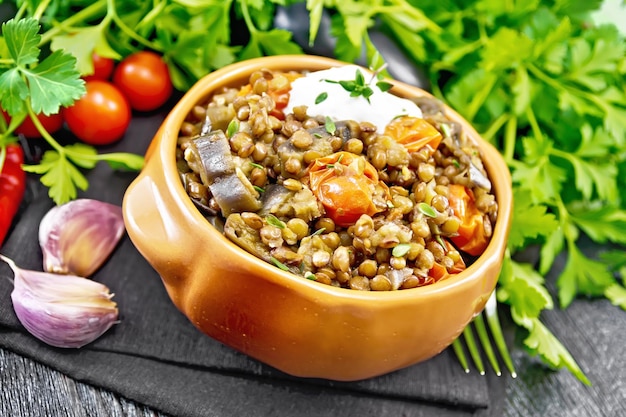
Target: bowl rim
493,254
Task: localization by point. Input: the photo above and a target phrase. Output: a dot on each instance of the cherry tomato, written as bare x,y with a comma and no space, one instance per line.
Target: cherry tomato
101,116
51,123
413,132
345,184
144,79
471,234
102,68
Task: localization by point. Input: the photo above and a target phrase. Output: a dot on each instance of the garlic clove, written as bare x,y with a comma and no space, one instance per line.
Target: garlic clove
61,310
77,237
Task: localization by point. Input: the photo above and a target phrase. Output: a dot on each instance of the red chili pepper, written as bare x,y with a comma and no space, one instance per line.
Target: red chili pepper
12,187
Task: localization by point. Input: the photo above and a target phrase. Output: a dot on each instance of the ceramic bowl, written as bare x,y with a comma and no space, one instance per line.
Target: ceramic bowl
298,326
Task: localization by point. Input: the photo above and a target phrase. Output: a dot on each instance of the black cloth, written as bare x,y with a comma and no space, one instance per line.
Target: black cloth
156,357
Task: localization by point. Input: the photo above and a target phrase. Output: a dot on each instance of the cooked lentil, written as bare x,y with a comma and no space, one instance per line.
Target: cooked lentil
435,201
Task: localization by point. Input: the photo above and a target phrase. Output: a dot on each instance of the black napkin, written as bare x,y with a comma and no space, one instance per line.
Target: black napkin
156,357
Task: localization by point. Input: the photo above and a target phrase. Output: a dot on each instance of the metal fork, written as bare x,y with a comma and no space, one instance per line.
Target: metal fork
490,313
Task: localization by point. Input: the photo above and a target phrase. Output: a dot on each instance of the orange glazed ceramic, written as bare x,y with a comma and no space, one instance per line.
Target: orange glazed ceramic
299,326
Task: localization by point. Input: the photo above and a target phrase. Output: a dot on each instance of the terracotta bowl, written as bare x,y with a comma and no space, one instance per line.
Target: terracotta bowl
299,326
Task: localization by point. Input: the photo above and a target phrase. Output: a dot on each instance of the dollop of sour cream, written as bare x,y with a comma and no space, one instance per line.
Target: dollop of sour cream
381,108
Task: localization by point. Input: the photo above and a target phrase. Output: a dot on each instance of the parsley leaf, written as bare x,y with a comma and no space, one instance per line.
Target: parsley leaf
82,42
542,342
617,295
582,275
523,289
60,176
22,40
264,42
530,221
53,83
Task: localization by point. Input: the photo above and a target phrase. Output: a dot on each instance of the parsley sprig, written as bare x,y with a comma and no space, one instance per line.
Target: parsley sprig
359,87
34,86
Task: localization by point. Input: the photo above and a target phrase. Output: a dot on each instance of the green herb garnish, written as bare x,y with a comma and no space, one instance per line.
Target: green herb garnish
254,164
259,189
440,240
318,231
384,86
279,264
330,125
233,127
320,98
427,210
310,275
275,221
445,129
357,87
401,249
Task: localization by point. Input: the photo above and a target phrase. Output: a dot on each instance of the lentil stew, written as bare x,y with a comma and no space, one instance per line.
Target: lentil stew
342,202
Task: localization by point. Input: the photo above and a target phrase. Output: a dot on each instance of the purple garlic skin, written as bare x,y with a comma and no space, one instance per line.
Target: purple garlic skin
77,237
61,310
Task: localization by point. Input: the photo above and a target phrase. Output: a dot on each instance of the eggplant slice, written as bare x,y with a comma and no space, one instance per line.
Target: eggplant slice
210,156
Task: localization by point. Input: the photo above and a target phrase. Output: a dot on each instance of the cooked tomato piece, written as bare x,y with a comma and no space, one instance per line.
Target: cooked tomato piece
471,234
345,184
413,132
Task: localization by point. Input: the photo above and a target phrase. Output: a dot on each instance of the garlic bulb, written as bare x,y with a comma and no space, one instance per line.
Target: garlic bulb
77,237
61,310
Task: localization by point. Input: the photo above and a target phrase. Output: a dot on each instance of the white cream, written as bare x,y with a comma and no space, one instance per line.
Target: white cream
380,110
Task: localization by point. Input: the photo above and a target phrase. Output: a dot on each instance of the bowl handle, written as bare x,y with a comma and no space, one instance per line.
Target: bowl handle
155,224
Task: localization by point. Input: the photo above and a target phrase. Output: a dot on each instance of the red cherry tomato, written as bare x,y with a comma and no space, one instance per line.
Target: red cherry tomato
143,77
101,116
102,68
51,123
